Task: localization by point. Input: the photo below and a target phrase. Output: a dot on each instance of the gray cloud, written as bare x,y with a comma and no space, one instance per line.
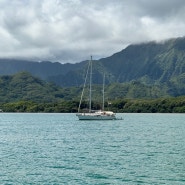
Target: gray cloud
72,30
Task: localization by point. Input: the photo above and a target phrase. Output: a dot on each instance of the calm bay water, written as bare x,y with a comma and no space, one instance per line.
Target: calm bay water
59,149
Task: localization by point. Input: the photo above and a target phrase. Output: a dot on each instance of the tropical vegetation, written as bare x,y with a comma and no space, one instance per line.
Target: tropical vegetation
146,77
24,93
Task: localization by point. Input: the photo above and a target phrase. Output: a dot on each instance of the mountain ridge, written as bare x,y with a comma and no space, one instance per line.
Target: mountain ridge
151,63
24,87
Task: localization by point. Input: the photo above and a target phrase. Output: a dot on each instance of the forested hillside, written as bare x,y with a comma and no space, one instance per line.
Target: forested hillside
24,86
150,63
44,69
161,65
24,93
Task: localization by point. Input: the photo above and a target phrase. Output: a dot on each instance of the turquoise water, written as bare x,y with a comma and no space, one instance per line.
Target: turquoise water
59,149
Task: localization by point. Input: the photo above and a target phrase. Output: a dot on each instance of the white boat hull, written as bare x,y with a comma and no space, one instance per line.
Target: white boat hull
94,116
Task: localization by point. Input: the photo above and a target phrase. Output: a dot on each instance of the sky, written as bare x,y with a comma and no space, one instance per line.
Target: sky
70,31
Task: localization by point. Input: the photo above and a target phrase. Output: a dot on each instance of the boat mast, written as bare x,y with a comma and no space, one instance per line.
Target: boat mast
90,85
83,87
103,92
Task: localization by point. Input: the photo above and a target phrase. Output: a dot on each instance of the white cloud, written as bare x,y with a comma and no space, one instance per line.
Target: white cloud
72,30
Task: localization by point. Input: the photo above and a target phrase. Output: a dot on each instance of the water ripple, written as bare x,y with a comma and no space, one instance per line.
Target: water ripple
59,149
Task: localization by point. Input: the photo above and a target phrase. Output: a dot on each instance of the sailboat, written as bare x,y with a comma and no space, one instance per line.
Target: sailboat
94,114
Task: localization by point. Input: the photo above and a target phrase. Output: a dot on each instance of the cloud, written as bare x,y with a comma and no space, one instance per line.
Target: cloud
72,30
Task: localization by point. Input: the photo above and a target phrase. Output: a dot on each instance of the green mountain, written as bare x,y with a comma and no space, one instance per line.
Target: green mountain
150,63
24,93
43,70
161,65
23,86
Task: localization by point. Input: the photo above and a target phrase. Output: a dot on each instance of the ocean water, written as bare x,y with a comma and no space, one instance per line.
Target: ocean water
59,149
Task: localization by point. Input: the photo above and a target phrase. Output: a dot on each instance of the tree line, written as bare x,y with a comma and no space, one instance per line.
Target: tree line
160,105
